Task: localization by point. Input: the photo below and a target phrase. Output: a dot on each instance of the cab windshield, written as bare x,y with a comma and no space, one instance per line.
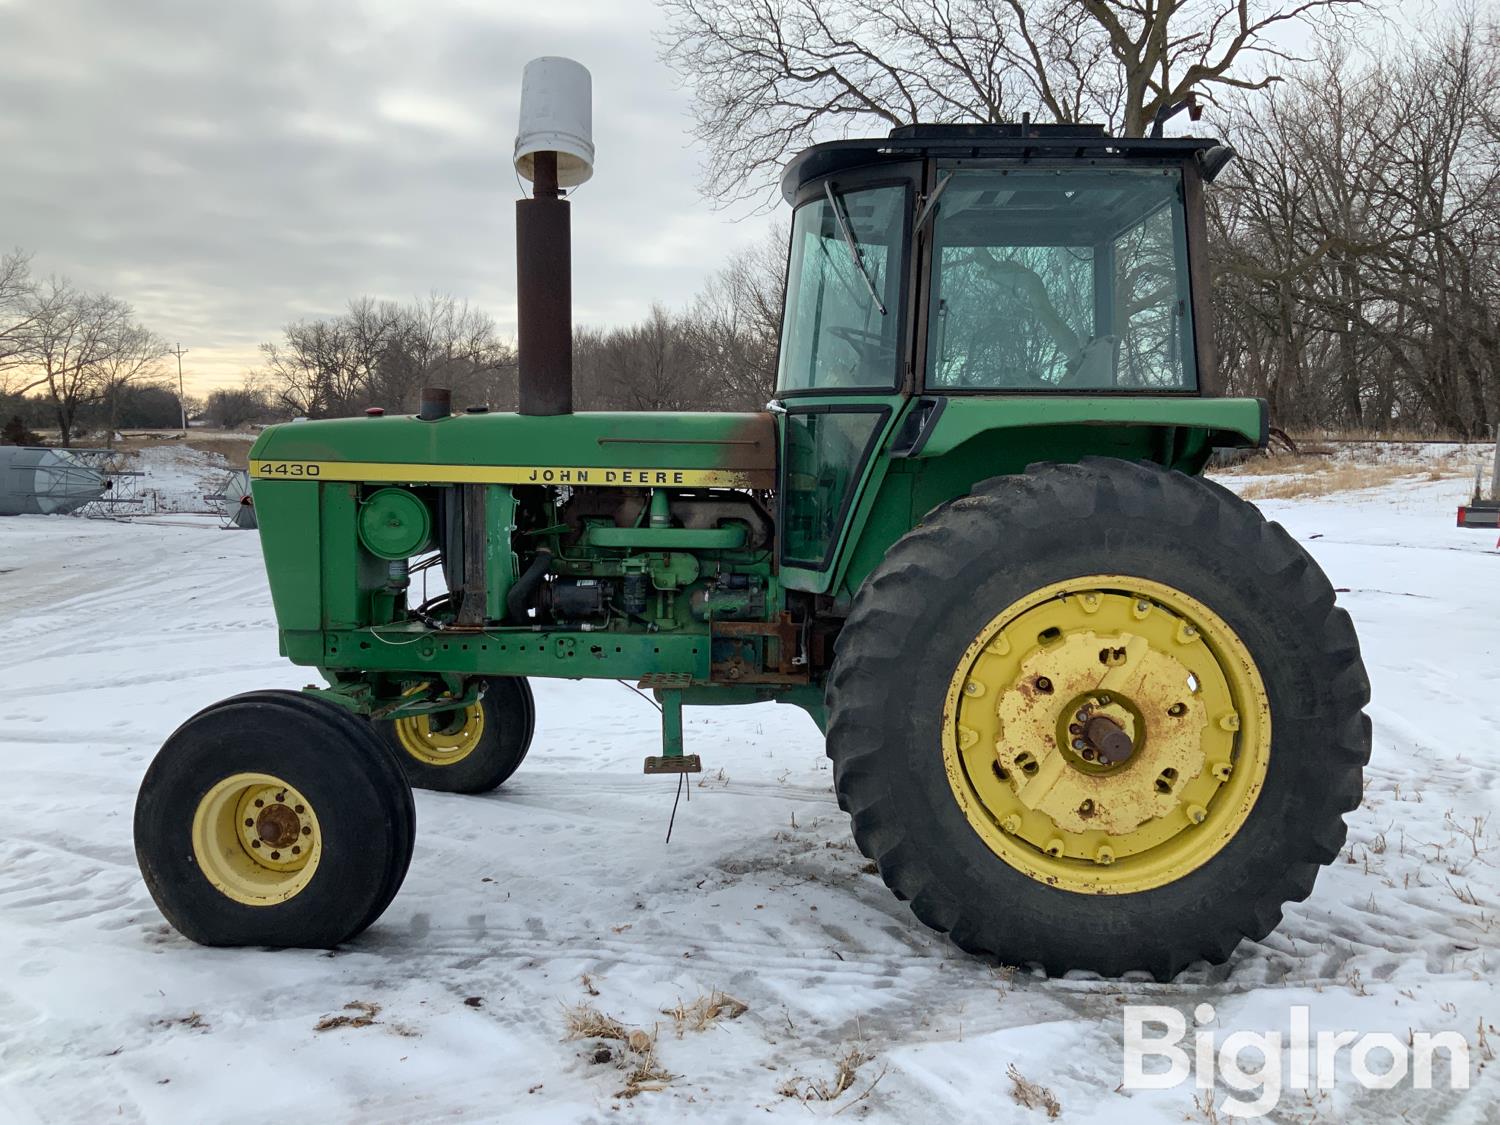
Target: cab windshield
1060,279
843,309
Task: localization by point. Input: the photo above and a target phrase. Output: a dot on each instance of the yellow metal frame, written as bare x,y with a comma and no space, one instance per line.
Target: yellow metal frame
447,746
1169,671
256,839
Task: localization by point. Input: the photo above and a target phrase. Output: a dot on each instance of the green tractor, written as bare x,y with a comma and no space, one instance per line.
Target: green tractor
1085,709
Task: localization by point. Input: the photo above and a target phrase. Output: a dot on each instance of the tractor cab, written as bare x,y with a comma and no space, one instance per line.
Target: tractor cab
948,262
959,259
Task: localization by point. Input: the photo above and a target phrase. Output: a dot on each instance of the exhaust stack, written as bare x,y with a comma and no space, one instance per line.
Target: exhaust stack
554,150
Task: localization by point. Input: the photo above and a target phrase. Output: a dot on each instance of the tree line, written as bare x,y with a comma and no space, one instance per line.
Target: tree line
69,356
718,353
1356,240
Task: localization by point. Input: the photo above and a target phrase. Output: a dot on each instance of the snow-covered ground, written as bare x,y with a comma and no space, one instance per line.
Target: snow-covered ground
175,477
559,889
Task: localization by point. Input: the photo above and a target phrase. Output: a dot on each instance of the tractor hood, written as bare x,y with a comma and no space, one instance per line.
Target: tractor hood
621,450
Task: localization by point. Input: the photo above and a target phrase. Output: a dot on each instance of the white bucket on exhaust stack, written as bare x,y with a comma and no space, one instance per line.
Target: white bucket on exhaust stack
557,116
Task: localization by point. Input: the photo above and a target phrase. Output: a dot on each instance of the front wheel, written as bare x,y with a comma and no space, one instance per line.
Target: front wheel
472,749
273,819
1099,716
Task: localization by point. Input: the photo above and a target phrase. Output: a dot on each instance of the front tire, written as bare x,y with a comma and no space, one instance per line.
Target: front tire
273,819
1098,716
471,750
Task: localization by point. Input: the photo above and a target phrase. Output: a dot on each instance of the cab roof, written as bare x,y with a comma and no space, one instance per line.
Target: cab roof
974,142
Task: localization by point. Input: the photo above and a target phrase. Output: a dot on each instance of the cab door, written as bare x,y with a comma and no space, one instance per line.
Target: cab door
845,360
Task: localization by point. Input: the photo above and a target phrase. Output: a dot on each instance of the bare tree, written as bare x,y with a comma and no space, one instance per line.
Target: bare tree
17,312
770,76
73,333
733,329
646,366
1359,238
326,367
383,353
231,407
130,356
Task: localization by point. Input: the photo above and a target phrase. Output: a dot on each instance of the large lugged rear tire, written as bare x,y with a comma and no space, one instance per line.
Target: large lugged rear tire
1098,716
274,819
471,750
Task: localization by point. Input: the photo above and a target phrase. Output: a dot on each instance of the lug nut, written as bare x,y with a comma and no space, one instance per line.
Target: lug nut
1043,684
1080,744
1073,728
1197,813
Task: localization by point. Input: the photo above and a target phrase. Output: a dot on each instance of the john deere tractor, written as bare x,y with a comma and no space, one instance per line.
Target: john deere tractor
1085,708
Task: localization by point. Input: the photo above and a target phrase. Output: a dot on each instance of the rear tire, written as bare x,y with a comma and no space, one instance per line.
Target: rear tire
274,819
928,795
473,750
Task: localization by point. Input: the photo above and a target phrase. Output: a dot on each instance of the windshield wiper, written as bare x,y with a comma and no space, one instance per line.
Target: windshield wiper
837,203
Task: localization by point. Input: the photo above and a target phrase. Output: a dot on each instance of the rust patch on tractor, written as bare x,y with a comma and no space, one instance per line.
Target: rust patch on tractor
747,449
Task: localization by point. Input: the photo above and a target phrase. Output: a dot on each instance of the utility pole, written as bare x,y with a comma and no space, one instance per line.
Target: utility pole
181,398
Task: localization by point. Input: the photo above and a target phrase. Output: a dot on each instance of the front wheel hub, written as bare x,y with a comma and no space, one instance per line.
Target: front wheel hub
1107,735
256,839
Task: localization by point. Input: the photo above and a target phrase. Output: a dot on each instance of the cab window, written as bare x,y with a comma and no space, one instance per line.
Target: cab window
841,328
1051,279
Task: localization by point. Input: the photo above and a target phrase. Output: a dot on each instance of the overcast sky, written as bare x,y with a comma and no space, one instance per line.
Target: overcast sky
229,166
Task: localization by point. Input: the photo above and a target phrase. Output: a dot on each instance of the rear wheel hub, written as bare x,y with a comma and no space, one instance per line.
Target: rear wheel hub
1106,735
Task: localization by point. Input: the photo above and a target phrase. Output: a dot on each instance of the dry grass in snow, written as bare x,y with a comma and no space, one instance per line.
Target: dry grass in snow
1030,1094
845,1067
636,1054
1351,469
705,1011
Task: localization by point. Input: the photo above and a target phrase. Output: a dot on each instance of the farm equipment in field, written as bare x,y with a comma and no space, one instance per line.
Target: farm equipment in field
1481,510
1085,709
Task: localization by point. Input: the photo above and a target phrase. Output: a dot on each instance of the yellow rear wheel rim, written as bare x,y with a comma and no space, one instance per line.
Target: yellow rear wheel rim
442,739
256,839
1165,670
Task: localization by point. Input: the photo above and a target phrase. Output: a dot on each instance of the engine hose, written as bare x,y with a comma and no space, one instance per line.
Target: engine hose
519,598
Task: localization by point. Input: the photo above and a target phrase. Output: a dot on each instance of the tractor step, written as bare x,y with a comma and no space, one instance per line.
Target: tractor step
673,763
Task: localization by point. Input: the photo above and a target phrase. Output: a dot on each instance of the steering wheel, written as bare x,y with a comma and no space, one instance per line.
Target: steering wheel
856,338
869,346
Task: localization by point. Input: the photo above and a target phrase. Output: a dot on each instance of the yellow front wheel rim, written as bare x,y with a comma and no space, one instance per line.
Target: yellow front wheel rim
1178,699
442,739
256,839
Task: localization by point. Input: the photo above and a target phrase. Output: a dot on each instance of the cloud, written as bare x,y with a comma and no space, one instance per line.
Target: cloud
230,167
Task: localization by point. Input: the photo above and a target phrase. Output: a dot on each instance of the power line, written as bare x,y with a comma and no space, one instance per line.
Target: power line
181,398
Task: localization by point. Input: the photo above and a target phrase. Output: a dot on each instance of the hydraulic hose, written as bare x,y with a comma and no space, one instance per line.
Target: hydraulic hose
519,598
